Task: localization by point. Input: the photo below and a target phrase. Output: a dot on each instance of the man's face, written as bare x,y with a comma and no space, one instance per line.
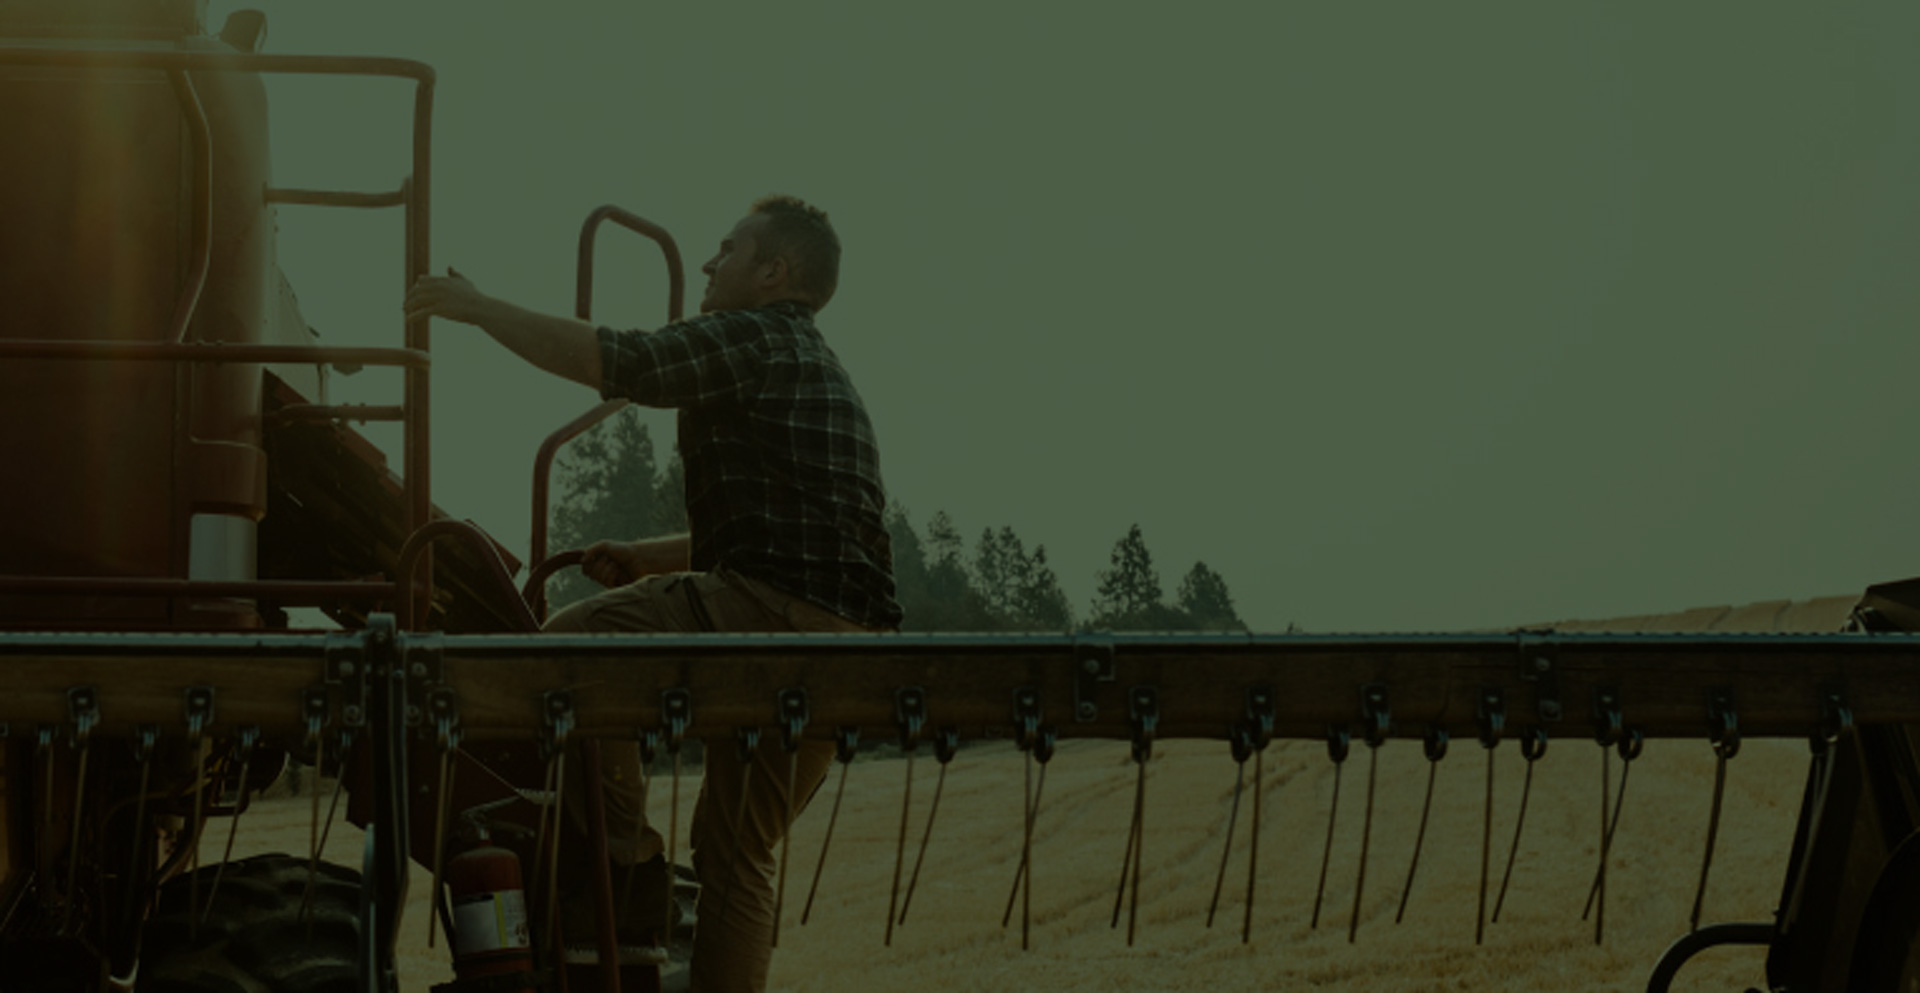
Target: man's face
734,280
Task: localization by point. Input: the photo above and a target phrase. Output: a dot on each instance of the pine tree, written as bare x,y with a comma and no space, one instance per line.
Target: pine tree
1204,599
609,488
946,577
1019,591
999,565
954,603
931,581
1041,604
670,498
1128,596
909,566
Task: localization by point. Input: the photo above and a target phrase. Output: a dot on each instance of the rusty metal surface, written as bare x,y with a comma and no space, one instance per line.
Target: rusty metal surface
535,590
211,400
283,591
213,351
1663,682
340,412
414,554
201,253
129,58
336,198
336,510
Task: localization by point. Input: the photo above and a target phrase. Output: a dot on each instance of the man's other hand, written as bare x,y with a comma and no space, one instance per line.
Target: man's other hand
613,563
452,296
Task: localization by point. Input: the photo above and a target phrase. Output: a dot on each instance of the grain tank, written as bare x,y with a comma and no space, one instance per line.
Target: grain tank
133,212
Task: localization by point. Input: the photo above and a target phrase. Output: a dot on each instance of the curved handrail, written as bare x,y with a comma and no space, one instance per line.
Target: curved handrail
583,309
535,590
583,278
418,542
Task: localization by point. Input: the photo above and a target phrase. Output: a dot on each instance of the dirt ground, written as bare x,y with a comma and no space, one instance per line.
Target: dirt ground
952,938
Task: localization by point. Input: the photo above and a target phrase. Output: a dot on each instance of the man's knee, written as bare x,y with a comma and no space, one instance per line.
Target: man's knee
575,618
654,604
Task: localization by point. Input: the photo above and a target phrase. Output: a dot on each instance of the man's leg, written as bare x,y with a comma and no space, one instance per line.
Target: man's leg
733,944
658,605
744,808
732,950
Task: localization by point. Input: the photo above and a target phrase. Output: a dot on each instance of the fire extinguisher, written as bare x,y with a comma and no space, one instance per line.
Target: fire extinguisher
491,936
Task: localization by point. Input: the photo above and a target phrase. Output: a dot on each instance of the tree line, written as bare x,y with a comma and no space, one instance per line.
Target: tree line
613,484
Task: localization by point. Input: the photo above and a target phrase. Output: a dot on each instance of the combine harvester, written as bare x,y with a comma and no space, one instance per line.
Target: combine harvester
180,481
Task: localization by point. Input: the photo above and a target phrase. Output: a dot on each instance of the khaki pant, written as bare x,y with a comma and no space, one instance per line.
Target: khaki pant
731,951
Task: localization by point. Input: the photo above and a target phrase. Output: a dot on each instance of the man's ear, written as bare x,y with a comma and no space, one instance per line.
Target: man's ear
774,273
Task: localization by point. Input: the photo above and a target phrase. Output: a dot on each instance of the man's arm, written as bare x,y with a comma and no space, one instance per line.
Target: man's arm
560,345
616,563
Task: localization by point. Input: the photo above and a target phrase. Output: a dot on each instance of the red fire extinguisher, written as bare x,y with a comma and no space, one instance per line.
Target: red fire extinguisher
491,934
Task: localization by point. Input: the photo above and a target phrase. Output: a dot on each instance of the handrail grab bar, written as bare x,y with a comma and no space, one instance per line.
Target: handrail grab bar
583,309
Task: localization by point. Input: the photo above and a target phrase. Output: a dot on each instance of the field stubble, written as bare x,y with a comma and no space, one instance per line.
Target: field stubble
952,938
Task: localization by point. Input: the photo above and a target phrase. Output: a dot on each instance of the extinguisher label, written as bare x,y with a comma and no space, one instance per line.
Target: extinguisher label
490,922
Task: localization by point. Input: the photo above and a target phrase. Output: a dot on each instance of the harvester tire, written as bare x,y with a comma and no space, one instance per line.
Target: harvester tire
254,939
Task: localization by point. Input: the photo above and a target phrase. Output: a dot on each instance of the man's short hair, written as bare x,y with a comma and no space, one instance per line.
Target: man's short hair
799,232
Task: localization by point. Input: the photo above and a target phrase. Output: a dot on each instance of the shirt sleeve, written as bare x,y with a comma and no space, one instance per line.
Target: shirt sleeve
713,358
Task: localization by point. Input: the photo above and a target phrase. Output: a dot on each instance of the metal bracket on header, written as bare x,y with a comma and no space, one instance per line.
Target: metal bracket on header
346,668
676,714
83,709
1143,712
1092,665
1540,665
1026,716
313,714
557,721
426,673
910,714
443,707
794,714
1260,715
198,705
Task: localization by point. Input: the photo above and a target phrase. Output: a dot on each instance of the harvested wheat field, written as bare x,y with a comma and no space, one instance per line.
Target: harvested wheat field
952,938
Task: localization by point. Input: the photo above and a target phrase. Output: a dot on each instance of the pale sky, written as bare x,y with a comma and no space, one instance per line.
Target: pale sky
1402,316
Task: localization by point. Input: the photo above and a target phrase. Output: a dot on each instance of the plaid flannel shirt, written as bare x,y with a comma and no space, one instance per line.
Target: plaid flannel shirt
783,475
